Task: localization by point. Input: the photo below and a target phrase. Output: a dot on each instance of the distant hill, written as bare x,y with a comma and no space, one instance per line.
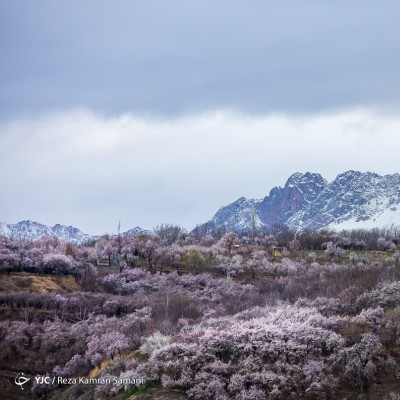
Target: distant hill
31,230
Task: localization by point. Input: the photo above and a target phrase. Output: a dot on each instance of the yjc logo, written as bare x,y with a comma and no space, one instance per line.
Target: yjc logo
21,379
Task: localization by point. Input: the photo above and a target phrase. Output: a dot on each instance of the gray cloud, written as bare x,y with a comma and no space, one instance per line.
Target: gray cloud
302,85
180,57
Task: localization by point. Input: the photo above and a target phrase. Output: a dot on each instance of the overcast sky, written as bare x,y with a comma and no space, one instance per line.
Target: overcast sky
163,111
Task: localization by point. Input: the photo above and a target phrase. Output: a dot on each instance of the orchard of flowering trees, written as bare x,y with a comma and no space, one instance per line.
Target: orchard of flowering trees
204,317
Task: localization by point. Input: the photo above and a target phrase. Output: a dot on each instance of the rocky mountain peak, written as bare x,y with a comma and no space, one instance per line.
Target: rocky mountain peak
309,178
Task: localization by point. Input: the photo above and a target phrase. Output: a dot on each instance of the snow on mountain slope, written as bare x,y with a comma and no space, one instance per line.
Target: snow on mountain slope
386,218
240,214
282,204
354,199
307,201
137,230
31,230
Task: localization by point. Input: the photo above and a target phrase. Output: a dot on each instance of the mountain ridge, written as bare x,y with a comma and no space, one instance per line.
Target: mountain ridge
308,201
32,230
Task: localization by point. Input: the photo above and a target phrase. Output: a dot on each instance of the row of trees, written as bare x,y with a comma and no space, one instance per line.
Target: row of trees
169,242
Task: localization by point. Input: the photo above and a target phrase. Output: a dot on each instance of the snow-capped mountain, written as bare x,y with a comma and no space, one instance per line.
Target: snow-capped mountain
137,230
307,201
31,230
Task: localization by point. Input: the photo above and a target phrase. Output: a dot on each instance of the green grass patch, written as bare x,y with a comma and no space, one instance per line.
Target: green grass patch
136,391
